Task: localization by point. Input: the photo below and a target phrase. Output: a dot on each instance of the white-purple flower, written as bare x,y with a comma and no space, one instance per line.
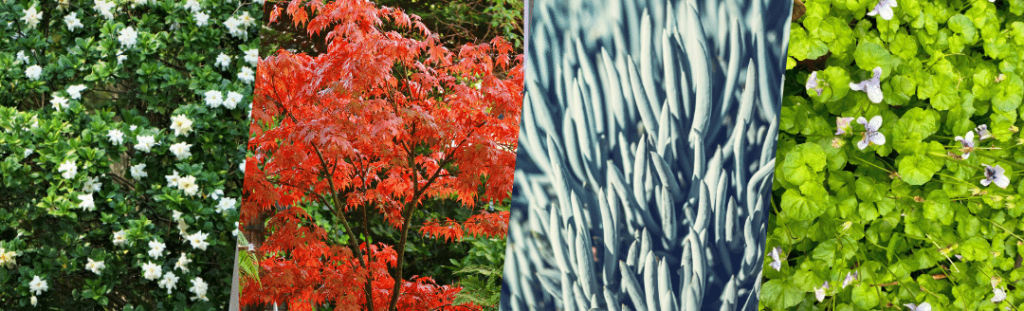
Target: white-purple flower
923,307
812,83
850,278
884,8
843,125
819,292
967,141
776,262
994,174
999,293
871,134
983,132
871,86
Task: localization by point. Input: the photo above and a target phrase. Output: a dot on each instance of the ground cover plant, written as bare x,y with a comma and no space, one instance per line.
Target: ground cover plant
384,139
122,136
898,183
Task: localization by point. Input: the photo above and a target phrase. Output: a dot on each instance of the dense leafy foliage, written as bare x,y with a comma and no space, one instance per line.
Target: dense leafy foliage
122,132
386,122
920,202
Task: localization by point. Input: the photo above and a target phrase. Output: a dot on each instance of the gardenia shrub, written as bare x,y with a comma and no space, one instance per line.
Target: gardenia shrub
897,185
123,138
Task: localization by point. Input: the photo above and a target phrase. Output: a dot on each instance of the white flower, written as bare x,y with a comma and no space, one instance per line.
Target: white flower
983,132
252,56
871,86
246,75
202,19
87,202
241,167
843,125
188,185
151,271
216,194
136,3
199,288
850,278
245,20
32,17
92,184
193,5
128,37
68,169
226,204
28,152
146,143
181,150
115,136
198,240
223,61
138,171
182,263
776,262
923,307
37,286
156,249
819,293
999,293
132,127
871,134
176,215
233,99
120,238
967,141
214,99
812,83
104,8
235,232
182,227
7,258
232,25
121,58
33,72
181,125
34,301
883,8
994,174
172,180
95,266
21,58
169,281
59,102
72,21
75,91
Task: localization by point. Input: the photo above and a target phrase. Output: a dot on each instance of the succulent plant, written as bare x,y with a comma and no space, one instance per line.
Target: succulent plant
646,155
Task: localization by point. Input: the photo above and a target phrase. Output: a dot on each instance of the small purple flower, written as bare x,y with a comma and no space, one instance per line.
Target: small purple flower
923,307
843,125
812,83
883,8
871,86
819,293
850,278
776,262
983,132
967,141
958,256
871,134
994,174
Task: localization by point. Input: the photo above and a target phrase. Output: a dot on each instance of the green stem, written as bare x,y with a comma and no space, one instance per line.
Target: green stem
871,164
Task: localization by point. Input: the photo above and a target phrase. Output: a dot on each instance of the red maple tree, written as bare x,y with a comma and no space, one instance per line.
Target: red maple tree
387,118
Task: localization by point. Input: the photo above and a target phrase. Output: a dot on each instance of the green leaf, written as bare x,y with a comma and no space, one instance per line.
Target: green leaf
917,169
1009,96
865,296
780,294
870,55
975,249
799,206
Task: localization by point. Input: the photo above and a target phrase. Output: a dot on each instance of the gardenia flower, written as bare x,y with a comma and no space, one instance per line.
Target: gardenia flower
87,202
59,102
226,204
138,171
198,240
235,232
21,58
252,57
871,86
193,5
246,75
92,184
188,185
37,286
68,169
7,258
223,61
241,167
32,17
34,301
812,83
202,19
156,249
72,21
105,8
216,194
850,278
923,307
233,99
33,72
776,262
199,288
983,132
172,180
95,266
120,237
214,99
181,150
146,143
115,136
994,174
182,228
819,293
182,263
967,141
883,8
151,271
843,125
75,91
169,281
181,125
176,215
132,127
871,134
28,152
128,37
